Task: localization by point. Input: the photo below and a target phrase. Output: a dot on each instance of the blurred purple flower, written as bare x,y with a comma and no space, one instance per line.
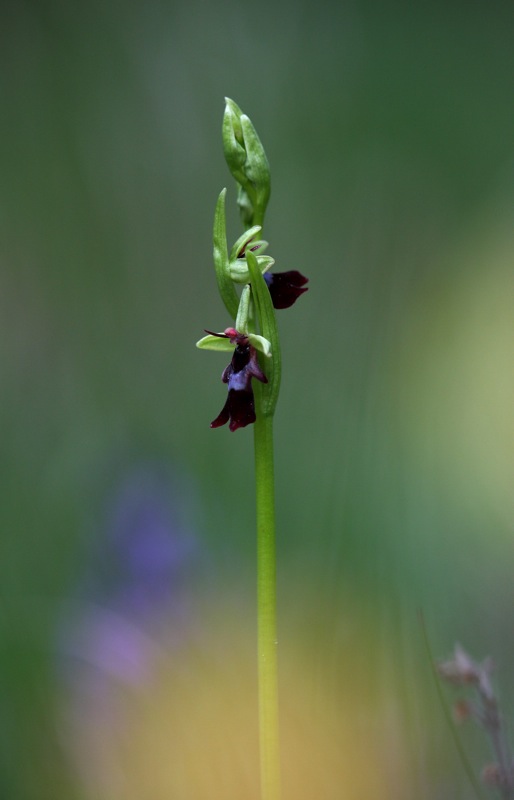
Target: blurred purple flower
131,609
147,544
134,579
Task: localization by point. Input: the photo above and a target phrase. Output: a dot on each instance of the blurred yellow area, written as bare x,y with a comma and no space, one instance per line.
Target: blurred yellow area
456,385
190,729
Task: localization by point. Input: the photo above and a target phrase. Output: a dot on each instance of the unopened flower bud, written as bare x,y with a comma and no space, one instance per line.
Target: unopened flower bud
233,141
247,162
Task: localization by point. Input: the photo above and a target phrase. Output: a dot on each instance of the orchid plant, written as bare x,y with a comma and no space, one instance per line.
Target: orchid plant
251,292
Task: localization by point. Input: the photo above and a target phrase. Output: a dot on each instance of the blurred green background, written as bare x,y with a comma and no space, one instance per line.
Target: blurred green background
389,128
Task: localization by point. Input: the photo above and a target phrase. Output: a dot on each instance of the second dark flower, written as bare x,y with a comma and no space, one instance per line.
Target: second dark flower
285,287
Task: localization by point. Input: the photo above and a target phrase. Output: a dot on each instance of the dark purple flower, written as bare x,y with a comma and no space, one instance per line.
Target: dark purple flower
240,407
285,287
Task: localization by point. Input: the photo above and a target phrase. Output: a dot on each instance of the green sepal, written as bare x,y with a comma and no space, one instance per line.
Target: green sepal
258,246
222,344
239,268
268,328
260,343
221,262
215,343
243,240
244,312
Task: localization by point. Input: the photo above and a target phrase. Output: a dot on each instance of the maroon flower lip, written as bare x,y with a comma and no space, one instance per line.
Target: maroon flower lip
239,409
285,287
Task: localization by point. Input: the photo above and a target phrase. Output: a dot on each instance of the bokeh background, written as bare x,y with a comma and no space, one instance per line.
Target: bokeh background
127,556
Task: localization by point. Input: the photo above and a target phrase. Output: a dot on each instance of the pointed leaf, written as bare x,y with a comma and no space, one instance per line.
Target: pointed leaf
268,327
221,262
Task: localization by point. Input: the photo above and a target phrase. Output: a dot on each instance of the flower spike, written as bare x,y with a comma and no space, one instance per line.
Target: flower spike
249,289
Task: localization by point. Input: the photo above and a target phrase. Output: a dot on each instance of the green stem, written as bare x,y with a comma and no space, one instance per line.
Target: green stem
258,218
266,607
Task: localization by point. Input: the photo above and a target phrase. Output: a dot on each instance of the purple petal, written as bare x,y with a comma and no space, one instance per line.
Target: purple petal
242,409
223,416
285,287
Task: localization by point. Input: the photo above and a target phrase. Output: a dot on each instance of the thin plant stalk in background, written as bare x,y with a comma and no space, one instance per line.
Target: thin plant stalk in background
482,706
251,293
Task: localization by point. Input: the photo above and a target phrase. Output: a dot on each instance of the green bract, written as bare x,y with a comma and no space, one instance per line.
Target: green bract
268,324
221,262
